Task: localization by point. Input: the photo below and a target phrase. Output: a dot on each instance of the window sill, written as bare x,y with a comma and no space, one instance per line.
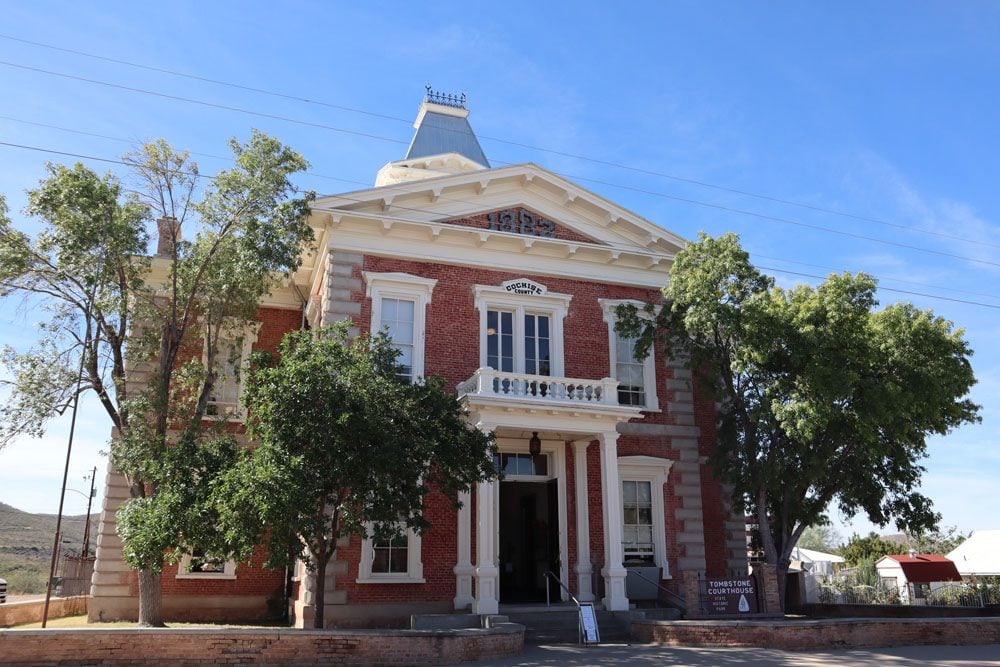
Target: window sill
207,575
391,580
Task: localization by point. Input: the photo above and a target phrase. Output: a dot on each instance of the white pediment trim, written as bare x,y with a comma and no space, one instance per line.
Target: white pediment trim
527,185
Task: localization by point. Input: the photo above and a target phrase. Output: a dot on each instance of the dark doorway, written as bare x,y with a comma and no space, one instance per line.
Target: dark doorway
529,540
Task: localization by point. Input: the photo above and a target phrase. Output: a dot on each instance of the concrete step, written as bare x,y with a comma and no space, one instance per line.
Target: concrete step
559,625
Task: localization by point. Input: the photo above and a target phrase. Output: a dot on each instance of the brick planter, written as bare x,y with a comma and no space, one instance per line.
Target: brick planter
820,634
95,646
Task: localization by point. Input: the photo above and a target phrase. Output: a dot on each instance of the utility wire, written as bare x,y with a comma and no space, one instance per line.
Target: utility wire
695,202
575,156
796,273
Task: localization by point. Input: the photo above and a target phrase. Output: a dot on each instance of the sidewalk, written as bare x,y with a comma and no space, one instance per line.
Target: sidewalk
665,656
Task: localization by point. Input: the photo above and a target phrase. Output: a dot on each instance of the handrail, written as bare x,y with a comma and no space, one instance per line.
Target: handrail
548,601
678,600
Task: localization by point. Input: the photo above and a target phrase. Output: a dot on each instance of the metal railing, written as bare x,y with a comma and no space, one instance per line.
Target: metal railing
548,597
542,388
673,598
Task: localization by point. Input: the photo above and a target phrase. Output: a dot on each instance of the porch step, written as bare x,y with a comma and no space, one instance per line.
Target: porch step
559,625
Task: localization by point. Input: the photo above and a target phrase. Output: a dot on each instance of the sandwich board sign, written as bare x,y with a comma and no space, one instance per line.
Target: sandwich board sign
588,624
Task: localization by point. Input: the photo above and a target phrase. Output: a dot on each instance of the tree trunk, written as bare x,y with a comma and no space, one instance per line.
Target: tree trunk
150,600
318,613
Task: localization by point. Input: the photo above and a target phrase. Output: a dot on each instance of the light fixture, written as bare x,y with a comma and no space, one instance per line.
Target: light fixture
491,331
535,444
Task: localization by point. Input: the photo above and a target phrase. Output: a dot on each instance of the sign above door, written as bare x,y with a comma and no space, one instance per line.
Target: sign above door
524,286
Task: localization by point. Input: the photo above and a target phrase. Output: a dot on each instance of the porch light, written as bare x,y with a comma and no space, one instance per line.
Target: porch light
535,444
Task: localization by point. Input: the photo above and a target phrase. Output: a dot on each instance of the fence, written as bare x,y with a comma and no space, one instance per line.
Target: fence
843,588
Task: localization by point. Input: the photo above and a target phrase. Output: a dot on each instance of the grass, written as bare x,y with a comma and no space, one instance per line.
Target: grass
26,546
81,622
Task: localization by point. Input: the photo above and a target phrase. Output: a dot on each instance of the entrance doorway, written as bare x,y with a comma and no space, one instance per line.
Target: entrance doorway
529,540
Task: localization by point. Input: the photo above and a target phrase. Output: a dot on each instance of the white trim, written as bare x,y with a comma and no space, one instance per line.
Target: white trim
407,287
229,571
554,305
414,565
653,470
652,403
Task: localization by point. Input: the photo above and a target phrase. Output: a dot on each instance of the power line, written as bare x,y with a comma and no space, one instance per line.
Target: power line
203,103
888,289
551,151
695,202
355,199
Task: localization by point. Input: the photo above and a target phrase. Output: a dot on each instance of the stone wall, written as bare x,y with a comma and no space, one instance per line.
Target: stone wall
257,647
18,613
820,634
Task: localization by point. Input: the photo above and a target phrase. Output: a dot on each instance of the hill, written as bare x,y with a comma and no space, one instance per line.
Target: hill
26,545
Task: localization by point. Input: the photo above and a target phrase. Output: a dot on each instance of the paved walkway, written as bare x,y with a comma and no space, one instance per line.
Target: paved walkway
662,656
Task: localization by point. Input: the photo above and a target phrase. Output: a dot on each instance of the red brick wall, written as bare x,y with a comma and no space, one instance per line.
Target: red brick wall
171,646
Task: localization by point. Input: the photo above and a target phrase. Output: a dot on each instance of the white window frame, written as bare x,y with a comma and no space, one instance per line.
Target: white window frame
414,565
654,470
249,331
407,287
652,403
229,571
555,306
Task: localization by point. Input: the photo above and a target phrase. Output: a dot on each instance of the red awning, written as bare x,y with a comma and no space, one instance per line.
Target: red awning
927,568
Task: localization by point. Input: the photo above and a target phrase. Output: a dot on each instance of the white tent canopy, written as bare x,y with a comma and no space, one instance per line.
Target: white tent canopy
978,555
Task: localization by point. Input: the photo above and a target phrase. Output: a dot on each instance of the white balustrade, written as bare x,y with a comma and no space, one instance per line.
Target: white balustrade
541,388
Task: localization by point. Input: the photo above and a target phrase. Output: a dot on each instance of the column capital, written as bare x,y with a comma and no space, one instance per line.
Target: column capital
608,437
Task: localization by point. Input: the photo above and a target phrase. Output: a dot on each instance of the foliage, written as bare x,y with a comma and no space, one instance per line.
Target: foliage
346,448
823,399
138,323
871,547
935,541
820,537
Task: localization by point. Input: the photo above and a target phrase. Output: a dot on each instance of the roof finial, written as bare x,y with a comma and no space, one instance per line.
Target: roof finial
447,99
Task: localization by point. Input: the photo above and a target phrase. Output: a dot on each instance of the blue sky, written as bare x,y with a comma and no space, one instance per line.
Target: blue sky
885,111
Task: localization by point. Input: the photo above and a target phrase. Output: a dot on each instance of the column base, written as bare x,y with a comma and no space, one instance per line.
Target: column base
486,601
614,589
463,586
584,582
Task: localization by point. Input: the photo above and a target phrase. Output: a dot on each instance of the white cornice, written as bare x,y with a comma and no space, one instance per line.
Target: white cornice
439,197
454,244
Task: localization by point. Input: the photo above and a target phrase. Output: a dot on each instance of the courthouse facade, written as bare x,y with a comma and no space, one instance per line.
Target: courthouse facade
504,281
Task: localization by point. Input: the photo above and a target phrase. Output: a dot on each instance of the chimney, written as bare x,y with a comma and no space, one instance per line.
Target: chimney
169,233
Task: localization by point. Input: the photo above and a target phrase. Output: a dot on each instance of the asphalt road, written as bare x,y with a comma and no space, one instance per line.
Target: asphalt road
661,656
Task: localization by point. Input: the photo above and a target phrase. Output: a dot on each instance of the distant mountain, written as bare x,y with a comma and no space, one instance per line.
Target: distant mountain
26,545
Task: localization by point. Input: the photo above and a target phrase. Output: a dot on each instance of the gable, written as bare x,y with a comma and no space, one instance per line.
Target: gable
524,221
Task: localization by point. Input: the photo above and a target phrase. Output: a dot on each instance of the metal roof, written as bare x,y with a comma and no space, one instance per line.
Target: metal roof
925,568
443,133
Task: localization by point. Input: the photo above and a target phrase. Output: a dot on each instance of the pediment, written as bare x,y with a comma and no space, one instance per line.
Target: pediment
527,196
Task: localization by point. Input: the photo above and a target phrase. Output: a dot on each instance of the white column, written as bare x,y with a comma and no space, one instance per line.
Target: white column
613,571
584,570
487,573
486,599
463,564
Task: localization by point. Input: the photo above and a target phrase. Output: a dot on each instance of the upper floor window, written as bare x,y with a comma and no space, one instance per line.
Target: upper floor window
636,379
231,356
399,306
521,333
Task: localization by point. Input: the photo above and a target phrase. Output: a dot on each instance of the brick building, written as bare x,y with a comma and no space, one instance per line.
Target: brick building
504,281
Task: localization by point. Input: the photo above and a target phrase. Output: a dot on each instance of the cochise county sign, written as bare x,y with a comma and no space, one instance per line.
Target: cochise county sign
524,286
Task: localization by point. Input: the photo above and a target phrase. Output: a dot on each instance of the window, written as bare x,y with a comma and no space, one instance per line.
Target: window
522,464
391,558
399,305
637,527
636,379
201,565
521,333
644,538
231,355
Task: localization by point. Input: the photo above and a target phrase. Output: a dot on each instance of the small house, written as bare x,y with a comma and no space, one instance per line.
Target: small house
917,575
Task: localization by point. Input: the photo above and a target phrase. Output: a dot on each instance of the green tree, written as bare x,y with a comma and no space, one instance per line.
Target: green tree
869,548
820,537
823,399
140,323
935,541
346,448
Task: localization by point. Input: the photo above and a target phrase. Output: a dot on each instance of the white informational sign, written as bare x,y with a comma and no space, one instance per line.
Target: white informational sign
588,624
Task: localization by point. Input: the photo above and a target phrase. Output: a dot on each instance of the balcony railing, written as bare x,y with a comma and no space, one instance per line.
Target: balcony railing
488,382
